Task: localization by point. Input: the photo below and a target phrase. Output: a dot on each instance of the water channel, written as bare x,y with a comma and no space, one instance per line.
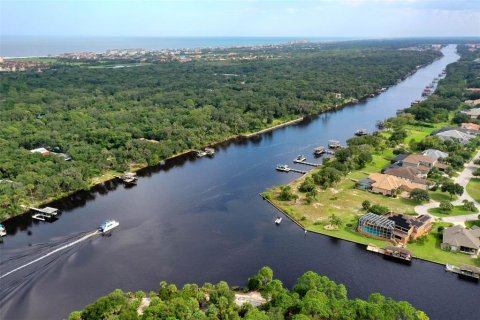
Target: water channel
202,220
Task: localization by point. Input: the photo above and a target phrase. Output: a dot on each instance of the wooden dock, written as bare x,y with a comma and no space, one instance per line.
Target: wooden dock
307,163
298,171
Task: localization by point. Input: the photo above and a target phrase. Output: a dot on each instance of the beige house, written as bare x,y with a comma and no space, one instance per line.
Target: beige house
387,184
457,238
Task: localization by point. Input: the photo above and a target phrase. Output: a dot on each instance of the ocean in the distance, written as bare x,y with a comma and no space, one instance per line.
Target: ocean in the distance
29,46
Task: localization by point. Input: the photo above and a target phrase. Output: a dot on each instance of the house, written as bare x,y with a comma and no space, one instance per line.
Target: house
422,163
472,102
435,154
411,174
458,135
394,227
470,126
457,238
409,228
42,151
388,185
472,113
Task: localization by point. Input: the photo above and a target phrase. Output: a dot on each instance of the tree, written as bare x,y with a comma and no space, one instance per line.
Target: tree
334,220
366,205
307,185
452,188
469,206
420,195
286,194
446,206
379,209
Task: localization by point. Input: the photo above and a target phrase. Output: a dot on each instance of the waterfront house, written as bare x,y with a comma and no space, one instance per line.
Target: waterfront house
422,162
376,226
457,238
409,228
472,103
410,174
435,154
470,126
387,184
42,151
458,135
472,113
394,227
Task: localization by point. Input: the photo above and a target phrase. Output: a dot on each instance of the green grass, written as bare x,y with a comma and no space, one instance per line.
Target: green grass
441,196
472,223
456,211
473,188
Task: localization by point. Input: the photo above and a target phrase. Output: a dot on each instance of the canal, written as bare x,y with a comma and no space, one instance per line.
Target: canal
202,220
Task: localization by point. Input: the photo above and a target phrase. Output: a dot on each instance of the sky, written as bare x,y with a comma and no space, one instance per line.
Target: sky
263,18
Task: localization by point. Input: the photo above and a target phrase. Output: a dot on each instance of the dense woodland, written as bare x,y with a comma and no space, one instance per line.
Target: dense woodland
98,115
313,297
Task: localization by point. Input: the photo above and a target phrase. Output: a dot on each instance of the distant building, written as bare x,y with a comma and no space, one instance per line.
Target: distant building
472,113
42,151
457,238
458,135
411,174
470,126
472,103
435,154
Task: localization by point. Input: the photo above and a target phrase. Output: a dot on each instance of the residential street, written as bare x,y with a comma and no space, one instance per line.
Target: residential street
462,179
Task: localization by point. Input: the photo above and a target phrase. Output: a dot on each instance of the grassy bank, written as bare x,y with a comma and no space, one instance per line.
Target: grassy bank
473,189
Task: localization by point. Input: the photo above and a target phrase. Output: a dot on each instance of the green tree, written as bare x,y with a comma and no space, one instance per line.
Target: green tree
366,205
446,206
420,195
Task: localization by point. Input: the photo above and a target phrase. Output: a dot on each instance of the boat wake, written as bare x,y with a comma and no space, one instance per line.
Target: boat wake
66,246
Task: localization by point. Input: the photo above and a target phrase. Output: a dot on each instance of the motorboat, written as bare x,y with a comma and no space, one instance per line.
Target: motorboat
108,225
278,220
209,152
3,232
361,132
318,151
300,158
283,167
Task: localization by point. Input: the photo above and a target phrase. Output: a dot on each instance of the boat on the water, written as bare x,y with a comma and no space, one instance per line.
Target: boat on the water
129,178
209,152
283,167
108,225
300,158
318,151
278,220
3,232
361,132
334,144
200,153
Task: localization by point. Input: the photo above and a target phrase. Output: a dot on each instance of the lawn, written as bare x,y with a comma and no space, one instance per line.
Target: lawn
440,196
456,211
429,249
473,189
472,223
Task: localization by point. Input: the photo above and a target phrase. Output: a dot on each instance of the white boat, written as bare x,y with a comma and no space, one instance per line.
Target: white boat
278,220
283,167
301,158
3,232
108,225
361,132
210,152
200,153
318,151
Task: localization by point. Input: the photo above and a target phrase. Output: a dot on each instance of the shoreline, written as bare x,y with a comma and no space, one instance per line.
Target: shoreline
110,175
329,235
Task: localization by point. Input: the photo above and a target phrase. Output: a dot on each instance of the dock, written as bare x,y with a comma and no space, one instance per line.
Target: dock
391,251
45,213
298,171
285,168
307,163
464,270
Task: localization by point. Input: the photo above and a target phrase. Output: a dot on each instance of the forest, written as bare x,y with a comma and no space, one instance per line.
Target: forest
312,297
101,117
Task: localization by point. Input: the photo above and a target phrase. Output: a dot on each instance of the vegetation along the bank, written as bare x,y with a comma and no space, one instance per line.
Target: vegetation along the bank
110,120
312,297
329,199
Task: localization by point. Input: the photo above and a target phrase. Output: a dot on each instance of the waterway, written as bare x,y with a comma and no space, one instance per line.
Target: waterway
202,220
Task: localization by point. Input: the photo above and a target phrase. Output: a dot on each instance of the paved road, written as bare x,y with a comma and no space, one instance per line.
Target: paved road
462,179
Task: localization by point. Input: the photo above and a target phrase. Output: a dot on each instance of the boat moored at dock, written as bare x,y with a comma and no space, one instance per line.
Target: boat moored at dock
45,213
209,152
300,158
361,132
334,144
464,271
129,178
318,151
392,252
108,225
283,167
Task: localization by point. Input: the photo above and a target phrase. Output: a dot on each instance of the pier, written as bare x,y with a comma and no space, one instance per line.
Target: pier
391,251
307,163
45,213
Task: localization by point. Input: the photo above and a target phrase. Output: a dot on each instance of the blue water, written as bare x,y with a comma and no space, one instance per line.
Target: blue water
28,46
